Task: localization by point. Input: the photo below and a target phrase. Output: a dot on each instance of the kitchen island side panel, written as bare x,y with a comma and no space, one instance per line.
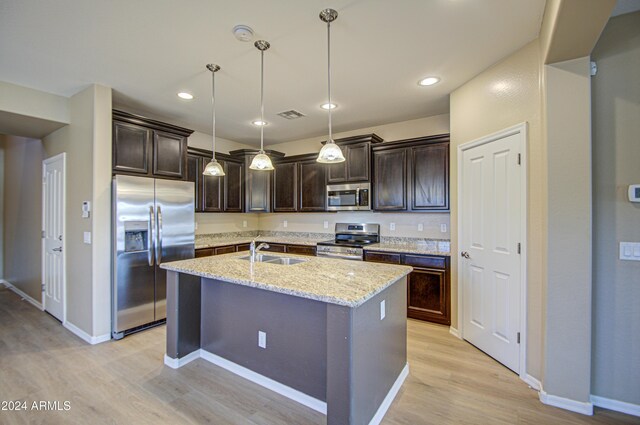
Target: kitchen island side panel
365,354
295,353
183,314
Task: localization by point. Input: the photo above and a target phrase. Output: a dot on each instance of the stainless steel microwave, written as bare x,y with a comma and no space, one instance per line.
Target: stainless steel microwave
349,197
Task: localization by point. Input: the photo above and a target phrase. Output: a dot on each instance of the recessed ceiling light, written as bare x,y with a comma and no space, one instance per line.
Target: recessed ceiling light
428,81
329,106
259,123
184,95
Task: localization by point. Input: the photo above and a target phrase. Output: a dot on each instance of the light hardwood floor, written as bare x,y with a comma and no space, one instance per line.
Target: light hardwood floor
125,382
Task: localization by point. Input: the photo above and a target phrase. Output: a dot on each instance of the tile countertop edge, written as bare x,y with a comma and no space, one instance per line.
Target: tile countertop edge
289,291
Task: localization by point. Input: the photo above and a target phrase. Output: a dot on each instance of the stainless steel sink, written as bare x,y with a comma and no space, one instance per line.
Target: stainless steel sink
272,259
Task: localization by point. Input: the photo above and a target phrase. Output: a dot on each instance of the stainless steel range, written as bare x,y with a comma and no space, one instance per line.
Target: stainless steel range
349,241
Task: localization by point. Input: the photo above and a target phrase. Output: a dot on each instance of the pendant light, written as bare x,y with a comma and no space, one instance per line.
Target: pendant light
213,168
330,152
261,161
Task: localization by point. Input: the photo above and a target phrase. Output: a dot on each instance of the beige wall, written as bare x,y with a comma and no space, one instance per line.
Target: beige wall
428,126
22,213
24,101
87,112
567,368
203,141
616,153
225,222
504,95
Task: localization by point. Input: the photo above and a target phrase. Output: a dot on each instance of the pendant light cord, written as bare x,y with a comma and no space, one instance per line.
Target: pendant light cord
262,100
329,79
213,102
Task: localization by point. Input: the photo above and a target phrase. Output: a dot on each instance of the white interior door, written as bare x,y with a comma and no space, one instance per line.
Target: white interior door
490,243
53,256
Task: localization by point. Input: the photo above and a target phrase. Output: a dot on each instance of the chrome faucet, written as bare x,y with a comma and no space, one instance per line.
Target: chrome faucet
254,250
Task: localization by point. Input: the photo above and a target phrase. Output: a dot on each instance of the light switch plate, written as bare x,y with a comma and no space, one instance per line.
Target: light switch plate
285,223
87,238
325,224
244,223
443,228
392,227
420,227
262,339
383,309
630,251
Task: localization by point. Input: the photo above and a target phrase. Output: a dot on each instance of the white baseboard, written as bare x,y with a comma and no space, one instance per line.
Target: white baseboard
532,382
386,403
293,394
93,340
618,406
23,295
176,363
586,408
453,331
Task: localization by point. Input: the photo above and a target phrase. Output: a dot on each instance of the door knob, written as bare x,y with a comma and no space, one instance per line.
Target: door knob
59,249
465,254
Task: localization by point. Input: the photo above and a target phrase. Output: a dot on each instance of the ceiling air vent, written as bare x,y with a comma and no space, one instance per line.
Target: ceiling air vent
291,114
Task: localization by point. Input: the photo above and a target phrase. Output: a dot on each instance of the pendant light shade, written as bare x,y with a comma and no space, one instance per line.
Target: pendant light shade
330,152
261,161
213,168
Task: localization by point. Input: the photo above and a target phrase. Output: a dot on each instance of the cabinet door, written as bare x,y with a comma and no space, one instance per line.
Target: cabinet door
313,182
301,249
428,296
131,147
243,247
194,174
275,247
257,191
358,162
225,249
204,252
337,173
212,191
233,186
285,187
430,177
390,182
169,155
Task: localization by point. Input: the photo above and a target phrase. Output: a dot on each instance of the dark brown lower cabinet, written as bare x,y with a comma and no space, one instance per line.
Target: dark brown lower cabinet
301,249
242,247
428,285
275,247
225,250
204,252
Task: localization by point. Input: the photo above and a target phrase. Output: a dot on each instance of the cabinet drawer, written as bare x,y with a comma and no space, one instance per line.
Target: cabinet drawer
225,249
242,247
420,261
301,249
382,257
274,247
204,252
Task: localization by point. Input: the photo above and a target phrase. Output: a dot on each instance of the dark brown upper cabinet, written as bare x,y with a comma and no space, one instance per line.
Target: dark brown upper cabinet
146,147
411,175
313,182
299,184
285,187
257,184
216,194
356,167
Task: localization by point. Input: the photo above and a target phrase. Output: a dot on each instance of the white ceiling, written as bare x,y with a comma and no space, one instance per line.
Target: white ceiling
148,50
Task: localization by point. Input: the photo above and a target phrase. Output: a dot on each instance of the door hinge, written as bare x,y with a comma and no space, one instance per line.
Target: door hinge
518,337
518,247
43,288
43,234
519,159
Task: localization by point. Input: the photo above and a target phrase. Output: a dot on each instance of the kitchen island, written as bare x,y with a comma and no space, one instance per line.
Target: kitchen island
330,334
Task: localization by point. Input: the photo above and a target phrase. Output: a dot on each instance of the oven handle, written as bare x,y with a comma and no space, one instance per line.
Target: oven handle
343,256
357,197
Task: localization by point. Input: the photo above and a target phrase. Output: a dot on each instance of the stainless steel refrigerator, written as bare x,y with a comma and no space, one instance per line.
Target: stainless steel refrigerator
153,223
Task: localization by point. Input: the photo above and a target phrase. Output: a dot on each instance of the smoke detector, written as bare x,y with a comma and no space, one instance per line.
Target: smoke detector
243,32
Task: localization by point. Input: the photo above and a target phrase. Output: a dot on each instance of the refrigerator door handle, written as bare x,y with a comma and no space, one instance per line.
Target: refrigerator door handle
150,237
159,240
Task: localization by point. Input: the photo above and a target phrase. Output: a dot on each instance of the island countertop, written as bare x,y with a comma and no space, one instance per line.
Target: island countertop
342,282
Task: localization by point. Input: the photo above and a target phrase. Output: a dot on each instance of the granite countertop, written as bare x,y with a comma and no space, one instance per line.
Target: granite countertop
342,282
212,242
428,248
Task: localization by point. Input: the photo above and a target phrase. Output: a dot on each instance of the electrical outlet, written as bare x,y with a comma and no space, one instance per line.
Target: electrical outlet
244,223
325,224
420,227
285,223
196,225
87,238
392,227
443,228
383,308
262,339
